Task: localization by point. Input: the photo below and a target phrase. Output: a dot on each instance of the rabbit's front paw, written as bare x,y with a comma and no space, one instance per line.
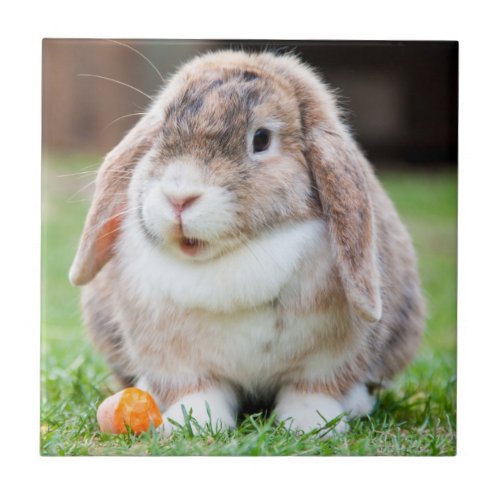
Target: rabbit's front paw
214,408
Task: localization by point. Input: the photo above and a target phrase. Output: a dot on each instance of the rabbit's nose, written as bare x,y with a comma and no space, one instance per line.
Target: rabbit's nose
181,202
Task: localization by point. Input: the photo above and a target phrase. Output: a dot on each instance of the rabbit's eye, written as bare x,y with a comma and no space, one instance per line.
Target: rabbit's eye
261,140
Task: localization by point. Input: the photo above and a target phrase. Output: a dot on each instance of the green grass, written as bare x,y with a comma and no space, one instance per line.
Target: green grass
417,416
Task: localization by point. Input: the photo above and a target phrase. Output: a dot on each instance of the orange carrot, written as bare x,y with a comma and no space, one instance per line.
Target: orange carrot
131,408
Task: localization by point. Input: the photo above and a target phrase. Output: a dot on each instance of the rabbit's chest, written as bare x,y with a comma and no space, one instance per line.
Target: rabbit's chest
252,348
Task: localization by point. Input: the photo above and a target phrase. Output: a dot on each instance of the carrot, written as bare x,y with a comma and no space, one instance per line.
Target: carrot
132,408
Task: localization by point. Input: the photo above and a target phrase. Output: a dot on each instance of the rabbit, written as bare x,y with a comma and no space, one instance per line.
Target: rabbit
239,248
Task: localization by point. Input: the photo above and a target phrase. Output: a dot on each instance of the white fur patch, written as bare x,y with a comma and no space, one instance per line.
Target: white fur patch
245,278
221,403
308,411
358,402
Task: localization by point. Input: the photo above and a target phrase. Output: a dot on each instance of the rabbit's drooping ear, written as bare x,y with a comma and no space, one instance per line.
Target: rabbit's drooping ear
342,177
339,170
109,202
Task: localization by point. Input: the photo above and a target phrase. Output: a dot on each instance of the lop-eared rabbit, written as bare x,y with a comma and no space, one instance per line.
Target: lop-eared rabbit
239,248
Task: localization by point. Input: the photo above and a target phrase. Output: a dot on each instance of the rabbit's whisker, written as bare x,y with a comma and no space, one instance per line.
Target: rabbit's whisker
83,188
76,174
141,55
117,81
98,227
122,117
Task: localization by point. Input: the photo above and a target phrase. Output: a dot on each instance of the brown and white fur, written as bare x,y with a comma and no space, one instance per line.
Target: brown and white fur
219,274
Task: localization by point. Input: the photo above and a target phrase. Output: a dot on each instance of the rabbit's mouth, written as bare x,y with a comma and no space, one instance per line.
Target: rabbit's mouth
192,246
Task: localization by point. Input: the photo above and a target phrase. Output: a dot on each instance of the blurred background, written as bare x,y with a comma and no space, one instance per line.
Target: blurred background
401,97
401,101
